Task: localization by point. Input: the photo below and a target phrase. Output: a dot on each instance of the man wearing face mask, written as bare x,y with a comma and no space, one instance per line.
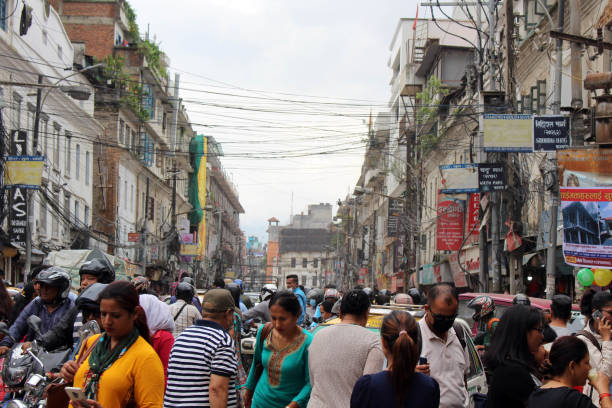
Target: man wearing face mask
447,360
293,285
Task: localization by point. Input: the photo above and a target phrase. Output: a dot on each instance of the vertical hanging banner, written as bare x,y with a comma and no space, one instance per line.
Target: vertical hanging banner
449,224
473,215
396,208
18,196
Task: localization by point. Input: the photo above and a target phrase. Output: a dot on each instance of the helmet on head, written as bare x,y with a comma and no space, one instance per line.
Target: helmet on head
415,294
370,293
88,302
403,299
185,291
384,292
235,291
56,277
141,283
482,305
521,299
332,293
316,294
97,267
267,292
189,280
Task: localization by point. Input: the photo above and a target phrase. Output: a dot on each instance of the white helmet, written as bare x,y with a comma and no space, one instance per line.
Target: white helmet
267,292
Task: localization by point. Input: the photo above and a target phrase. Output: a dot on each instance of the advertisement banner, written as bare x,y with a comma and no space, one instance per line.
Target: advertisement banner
427,275
587,226
449,224
551,133
133,237
18,215
189,250
24,171
459,178
473,215
508,133
585,167
396,208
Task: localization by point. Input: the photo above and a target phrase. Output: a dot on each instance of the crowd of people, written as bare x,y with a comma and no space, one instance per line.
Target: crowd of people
175,351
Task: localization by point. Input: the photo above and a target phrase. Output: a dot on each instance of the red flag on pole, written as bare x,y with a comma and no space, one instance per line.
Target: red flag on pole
415,19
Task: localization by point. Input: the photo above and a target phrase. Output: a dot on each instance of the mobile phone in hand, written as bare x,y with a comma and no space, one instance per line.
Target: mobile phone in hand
597,315
422,360
75,394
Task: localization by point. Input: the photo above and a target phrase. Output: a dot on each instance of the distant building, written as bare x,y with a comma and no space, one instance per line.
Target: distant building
319,216
305,252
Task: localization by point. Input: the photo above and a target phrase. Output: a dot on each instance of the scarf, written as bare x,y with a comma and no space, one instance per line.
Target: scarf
102,357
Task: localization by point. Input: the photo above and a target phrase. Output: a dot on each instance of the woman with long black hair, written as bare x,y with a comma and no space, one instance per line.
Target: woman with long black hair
399,385
510,360
122,368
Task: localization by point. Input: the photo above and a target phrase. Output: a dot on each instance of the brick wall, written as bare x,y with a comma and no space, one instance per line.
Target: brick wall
99,39
90,9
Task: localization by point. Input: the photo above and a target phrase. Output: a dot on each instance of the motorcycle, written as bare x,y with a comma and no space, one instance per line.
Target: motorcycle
26,372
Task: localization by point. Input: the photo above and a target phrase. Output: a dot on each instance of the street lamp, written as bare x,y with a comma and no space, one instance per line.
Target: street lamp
79,93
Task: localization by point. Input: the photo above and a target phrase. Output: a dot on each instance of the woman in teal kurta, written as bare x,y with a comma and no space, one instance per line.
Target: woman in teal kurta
284,354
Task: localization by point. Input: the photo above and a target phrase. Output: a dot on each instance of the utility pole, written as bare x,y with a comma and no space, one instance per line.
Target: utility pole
143,236
219,272
174,171
551,259
30,201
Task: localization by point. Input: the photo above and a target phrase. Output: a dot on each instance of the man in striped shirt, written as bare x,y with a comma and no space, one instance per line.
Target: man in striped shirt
202,367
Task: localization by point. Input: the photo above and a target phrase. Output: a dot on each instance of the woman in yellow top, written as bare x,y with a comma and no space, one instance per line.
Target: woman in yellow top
122,369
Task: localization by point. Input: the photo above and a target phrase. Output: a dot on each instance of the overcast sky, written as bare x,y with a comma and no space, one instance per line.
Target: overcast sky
279,83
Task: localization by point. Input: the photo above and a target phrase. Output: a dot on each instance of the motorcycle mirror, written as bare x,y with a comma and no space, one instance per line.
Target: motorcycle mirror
34,323
89,329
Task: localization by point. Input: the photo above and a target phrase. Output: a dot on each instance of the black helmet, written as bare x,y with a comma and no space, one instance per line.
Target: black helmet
370,293
316,294
98,267
185,291
189,280
521,299
58,278
88,301
414,293
235,291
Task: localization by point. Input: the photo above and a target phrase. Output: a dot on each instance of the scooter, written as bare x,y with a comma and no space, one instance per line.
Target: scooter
25,371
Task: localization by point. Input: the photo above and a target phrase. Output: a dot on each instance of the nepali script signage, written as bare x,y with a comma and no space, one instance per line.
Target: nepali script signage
551,133
449,224
587,226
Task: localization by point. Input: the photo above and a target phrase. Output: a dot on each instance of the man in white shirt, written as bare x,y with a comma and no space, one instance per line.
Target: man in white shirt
560,313
447,359
183,311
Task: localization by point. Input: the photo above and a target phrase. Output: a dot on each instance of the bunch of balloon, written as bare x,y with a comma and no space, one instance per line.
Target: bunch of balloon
602,277
585,277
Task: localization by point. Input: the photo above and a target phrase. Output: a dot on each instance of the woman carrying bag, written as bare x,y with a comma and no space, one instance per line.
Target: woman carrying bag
122,370
281,353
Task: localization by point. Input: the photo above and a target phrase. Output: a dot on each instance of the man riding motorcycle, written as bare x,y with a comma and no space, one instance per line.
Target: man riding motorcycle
50,307
261,310
66,331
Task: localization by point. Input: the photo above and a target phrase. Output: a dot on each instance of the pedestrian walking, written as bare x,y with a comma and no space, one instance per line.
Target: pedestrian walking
511,361
597,336
568,368
399,385
202,368
183,312
560,313
358,349
122,368
161,326
281,351
293,285
447,358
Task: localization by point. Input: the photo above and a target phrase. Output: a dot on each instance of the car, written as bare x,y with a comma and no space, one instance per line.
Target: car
503,302
476,378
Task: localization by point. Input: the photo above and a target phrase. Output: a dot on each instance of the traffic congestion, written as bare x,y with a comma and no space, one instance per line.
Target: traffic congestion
120,343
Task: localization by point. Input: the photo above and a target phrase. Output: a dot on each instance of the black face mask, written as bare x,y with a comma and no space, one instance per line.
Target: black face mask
442,324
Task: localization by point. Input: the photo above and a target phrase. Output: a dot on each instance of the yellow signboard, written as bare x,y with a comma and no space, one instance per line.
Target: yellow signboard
508,133
24,171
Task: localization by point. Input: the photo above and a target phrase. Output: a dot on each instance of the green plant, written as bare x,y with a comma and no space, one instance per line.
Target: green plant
151,51
131,17
429,99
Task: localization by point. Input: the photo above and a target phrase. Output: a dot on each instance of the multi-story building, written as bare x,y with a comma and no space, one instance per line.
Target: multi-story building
142,157
41,52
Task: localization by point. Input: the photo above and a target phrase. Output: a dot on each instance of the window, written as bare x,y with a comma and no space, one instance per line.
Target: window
3,17
86,215
304,262
66,208
76,211
56,143
30,127
42,223
121,130
86,168
132,198
125,196
67,155
77,164
164,120
315,263
128,132
118,191
17,110
293,262
54,219
314,281
134,141
149,101
44,136
158,158
151,209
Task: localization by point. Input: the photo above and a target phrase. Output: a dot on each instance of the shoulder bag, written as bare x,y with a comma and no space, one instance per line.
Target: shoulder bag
265,332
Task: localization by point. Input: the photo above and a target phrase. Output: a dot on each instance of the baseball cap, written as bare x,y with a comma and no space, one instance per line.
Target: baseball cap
217,301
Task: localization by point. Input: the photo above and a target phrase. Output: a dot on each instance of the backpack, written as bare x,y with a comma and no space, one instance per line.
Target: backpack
460,333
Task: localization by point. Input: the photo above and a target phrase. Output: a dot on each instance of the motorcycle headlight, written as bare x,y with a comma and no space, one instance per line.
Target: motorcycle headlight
15,376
